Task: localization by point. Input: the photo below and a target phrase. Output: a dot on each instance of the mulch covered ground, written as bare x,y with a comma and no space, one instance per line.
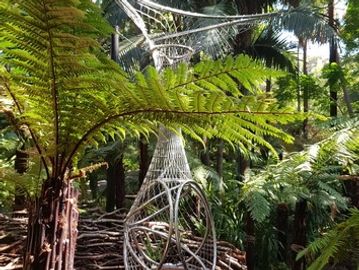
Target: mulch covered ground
99,243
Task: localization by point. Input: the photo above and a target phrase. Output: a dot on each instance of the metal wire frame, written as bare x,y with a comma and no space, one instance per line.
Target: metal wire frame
169,226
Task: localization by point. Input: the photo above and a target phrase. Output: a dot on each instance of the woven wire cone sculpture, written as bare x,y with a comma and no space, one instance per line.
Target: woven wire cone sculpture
169,225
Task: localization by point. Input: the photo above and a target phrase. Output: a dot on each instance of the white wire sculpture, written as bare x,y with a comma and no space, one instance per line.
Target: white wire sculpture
169,225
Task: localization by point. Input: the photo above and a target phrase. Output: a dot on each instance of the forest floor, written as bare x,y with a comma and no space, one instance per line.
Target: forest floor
99,243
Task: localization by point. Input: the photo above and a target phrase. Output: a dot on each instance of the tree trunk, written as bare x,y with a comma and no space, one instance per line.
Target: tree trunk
304,43
120,184
250,242
298,80
241,165
115,45
219,158
111,188
333,58
52,228
300,233
115,189
204,156
144,159
93,185
282,227
21,166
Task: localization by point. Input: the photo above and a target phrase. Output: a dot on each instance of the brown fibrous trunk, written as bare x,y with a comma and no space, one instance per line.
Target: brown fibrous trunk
52,228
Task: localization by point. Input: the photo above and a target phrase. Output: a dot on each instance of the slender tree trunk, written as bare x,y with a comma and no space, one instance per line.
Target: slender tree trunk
242,165
250,242
115,45
300,233
333,58
21,166
144,159
304,43
298,80
93,185
112,176
204,156
120,184
282,227
219,158
268,81
52,228
115,189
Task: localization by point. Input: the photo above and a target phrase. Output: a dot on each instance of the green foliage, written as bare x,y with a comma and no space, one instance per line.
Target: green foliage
223,197
286,90
71,77
288,87
311,174
334,75
56,71
337,245
350,31
30,182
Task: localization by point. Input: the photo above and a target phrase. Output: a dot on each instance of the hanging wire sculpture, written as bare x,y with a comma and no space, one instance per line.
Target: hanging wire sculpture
169,225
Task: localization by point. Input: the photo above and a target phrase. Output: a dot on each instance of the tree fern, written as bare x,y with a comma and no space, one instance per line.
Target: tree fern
312,174
70,94
338,244
174,96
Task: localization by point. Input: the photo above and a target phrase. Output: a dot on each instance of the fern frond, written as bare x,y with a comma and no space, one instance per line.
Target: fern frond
336,245
312,174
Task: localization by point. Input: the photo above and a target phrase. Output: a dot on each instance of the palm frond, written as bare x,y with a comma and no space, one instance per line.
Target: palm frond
305,22
273,49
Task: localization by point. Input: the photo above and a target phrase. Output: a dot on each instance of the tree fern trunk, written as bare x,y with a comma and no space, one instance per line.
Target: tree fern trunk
219,157
52,228
120,184
111,187
204,155
144,159
115,190
282,227
300,233
241,165
250,242
93,185
21,166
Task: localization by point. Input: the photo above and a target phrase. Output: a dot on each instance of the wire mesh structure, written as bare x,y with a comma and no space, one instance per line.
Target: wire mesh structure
169,225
